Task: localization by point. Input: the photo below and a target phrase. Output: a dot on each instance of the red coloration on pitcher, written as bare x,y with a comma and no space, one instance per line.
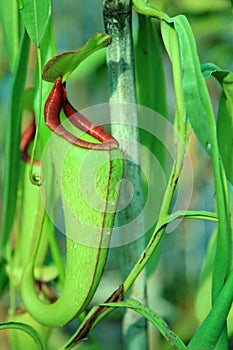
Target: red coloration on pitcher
56,101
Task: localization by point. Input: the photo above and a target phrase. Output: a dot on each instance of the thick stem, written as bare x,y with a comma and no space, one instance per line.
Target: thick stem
123,110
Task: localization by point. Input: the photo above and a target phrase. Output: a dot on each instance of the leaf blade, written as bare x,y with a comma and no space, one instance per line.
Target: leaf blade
64,64
35,16
198,105
225,115
154,318
12,143
9,20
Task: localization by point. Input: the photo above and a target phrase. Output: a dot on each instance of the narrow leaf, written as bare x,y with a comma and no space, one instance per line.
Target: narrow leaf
225,115
225,133
12,143
3,276
198,105
149,68
64,64
230,191
200,113
150,88
207,335
47,50
35,15
181,121
190,214
10,27
155,319
141,6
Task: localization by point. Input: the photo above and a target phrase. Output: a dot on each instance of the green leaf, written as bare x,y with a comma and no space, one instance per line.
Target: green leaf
47,50
27,329
149,68
28,100
207,335
141,6
10,26
190,214
154,318
225,115
230,191
181,121
64,64
12,143
35,14
200,113
225,133
3,276
203,300
150,79
197,101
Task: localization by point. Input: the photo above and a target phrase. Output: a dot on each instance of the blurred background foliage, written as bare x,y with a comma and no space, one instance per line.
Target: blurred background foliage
172,287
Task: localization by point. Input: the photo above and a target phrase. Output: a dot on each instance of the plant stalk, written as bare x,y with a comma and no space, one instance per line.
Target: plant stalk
123,111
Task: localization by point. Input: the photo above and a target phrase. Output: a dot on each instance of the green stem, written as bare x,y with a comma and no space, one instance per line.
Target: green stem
124,118
34,177
158,232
